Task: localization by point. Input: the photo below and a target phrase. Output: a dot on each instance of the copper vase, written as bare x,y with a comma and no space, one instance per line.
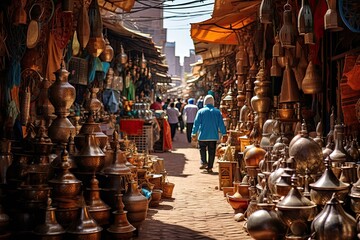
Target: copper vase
62,96
136,205
121,229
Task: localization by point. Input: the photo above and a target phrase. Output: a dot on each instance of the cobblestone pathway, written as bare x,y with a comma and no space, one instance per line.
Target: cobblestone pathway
197,210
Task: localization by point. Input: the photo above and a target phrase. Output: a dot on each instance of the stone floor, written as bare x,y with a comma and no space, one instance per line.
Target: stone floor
197,209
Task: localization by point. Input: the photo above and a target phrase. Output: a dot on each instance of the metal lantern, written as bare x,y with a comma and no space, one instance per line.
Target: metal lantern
287,32
305,18
266,11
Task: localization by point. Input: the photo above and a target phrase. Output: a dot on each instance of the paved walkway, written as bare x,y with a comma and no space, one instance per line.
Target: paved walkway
198,210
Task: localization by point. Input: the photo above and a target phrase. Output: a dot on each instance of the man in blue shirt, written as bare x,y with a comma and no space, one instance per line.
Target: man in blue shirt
207,124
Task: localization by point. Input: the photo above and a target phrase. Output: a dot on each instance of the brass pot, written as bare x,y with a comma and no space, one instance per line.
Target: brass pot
65,216
91,157
155,197
323,189
34,194
333,222
89,128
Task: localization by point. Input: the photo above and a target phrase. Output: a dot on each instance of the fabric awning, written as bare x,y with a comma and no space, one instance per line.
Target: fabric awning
222,29
116,5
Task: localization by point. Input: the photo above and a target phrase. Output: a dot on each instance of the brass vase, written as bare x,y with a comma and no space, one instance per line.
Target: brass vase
136,205
85,227
50,229
98,210
121,229
62,96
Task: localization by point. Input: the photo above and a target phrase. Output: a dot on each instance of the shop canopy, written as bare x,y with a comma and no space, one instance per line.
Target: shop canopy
228,18
117,6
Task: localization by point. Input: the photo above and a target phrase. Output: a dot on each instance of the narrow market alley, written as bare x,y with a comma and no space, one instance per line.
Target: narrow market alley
197,210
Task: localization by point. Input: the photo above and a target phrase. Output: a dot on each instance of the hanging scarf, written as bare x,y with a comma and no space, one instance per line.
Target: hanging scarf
96,65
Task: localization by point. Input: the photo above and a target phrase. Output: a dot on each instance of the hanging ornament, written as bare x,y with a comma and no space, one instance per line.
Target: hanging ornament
305,18
331,17
123,56
289,87
311,83
275,70
266,11
287,32
108,54
83,26
277,50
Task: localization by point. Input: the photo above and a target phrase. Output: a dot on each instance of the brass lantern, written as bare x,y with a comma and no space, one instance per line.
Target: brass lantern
266,11
331,17
287,32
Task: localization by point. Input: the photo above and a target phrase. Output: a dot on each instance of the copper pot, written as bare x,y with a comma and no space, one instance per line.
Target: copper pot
155,197
136,205
65,216
91,157
34,194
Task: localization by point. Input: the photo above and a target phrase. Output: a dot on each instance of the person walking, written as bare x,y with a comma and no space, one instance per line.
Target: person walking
157,105
190,111
207,124
173,118
200,102
180,105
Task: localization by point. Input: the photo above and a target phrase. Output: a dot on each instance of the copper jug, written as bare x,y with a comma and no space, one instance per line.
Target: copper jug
289,87
287,32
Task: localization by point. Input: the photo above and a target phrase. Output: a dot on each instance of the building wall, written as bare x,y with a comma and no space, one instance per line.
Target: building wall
170,57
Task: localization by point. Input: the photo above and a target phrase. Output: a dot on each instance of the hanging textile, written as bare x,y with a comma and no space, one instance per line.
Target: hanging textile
55,55
96,65
131,91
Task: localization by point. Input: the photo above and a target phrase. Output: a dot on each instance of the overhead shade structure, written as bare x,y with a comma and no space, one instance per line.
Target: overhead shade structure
228,17
213,50
117,5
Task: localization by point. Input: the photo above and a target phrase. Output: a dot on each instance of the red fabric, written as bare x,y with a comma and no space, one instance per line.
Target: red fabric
319,8
132,126
167,142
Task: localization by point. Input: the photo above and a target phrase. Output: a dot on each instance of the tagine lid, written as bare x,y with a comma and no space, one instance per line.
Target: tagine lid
295,199
328,181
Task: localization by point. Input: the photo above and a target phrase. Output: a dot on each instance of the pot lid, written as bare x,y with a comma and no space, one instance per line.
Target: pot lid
295,199
328,181
66,177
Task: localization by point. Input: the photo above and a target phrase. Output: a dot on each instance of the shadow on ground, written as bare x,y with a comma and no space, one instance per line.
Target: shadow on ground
161,230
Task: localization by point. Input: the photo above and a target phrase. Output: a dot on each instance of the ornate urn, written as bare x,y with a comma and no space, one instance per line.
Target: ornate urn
333,222
98,210
323,189
91,158
93,105
121,229
85,227
50,229
136,205
339,155
296,211
65,185
62,96
307,153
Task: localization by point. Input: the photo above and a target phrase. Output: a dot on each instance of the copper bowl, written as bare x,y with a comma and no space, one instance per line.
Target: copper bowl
65,190
237,203
67,216
34,194
286,113
102,217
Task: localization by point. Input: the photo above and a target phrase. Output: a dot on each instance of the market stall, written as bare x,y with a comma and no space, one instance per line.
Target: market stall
291,109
